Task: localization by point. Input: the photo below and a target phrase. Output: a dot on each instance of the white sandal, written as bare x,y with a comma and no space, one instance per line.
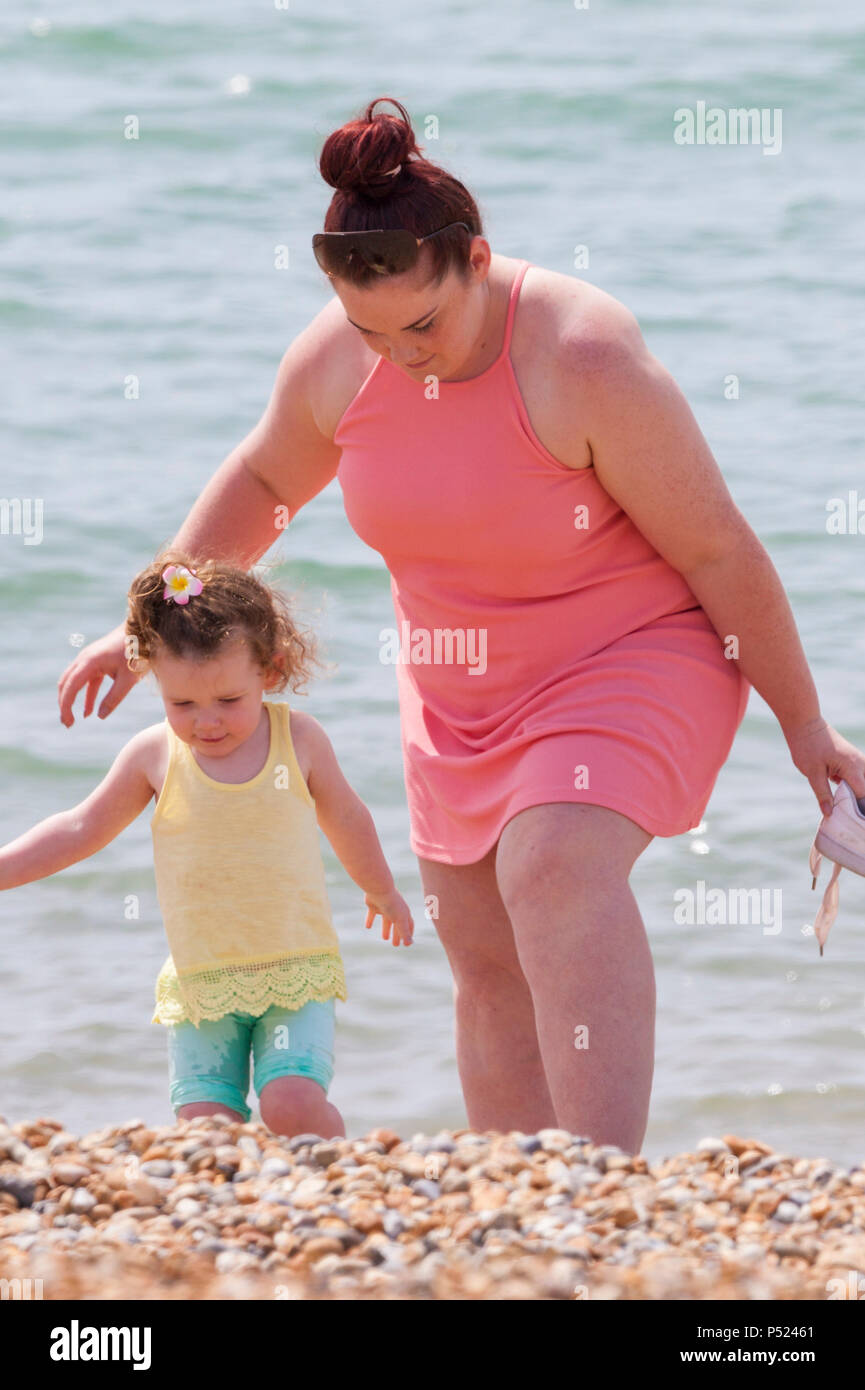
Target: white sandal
841,837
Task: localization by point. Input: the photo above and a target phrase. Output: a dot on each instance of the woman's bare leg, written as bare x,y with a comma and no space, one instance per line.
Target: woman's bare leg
563,871
498,1056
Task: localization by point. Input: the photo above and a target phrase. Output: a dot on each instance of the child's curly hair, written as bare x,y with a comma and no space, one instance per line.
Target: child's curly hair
232,603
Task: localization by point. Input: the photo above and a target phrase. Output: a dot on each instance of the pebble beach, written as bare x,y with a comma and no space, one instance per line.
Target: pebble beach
215,1209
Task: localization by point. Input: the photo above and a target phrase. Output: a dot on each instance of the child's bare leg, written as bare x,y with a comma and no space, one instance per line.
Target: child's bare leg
297,1105
206,1107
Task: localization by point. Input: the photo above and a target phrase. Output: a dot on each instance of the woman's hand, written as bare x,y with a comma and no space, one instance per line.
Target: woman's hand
105,657
820,752
394,912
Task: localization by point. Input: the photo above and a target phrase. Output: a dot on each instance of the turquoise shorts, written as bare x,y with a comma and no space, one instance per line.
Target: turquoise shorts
211,1062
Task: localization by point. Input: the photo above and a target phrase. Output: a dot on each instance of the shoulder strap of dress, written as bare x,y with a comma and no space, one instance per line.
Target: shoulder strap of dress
283,741
280,736
288,751
512,303
174,764
176,747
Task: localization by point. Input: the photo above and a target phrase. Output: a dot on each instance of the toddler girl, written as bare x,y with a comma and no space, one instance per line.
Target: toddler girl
241,786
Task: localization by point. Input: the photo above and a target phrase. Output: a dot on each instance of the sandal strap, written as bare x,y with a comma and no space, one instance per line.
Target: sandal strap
828,908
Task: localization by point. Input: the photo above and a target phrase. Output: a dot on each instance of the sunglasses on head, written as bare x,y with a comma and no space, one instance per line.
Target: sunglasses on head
389,252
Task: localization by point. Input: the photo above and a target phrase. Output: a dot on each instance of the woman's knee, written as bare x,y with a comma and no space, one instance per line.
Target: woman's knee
482,981
564,850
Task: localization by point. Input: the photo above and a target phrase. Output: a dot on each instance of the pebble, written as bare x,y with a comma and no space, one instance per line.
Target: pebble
393,1224
187,1207
23,1189
158,1168
799,1195
275,1168
529,1143
767,1164
438,1144
586,1177
303,1141
712,1147
786,1248
325,1154
82,1200
68,1174
787,1211
555,1140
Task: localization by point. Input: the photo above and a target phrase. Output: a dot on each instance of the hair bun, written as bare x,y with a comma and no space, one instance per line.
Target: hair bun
359,157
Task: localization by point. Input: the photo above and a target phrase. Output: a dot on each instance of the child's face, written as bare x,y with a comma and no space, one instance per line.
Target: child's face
214,704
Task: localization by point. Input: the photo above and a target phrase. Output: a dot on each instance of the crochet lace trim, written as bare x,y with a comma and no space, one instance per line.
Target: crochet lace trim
251,987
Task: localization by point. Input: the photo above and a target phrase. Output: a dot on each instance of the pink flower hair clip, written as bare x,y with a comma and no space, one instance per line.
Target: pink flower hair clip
181,584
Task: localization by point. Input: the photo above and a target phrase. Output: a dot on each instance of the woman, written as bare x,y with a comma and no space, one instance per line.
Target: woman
581,612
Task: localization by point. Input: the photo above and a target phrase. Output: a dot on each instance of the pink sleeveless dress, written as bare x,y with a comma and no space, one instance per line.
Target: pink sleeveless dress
544,650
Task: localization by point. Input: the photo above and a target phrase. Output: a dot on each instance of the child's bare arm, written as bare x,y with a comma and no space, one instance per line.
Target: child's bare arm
341,814
349,826
72,835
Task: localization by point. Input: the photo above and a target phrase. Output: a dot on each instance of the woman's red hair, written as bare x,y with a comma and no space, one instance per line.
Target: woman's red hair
422,197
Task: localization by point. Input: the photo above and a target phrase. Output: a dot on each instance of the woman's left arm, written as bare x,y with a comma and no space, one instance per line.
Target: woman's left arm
650,456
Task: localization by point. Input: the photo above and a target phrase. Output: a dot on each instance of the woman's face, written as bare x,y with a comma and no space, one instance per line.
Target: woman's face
418,326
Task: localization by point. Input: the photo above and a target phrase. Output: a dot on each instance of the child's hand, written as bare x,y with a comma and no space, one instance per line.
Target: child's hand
394,912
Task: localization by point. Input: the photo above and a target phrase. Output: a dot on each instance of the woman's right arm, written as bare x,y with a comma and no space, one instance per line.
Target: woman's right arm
283,462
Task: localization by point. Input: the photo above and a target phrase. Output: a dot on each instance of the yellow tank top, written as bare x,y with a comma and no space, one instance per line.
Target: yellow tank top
240,882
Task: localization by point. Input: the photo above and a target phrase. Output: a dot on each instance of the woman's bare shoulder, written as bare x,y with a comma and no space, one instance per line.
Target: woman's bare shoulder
567,332
337,360
290,448
573,314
